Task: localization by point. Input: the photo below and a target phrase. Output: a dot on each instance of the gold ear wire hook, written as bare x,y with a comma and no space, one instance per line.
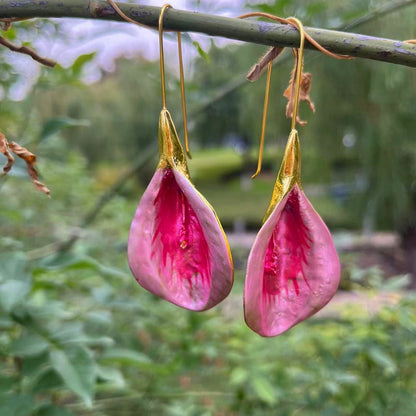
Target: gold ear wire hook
263,123
181,74
296,90
298,74
299,67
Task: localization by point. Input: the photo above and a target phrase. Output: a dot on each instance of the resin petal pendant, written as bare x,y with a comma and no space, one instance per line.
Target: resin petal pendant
293,268
177,248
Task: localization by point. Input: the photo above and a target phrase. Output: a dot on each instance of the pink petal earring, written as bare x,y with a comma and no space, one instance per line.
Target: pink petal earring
293,268
177,248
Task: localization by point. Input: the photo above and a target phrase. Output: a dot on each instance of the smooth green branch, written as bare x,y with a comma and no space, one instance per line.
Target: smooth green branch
357,45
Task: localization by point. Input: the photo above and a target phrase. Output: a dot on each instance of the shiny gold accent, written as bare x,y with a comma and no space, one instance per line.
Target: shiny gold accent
161,54
263,123
181,74
171,153
183,101
299,67
289,173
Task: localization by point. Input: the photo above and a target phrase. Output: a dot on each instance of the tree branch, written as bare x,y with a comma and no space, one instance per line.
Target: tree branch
27,51
357,45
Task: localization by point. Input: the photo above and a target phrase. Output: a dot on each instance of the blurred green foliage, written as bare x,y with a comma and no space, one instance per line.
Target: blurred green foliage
80,337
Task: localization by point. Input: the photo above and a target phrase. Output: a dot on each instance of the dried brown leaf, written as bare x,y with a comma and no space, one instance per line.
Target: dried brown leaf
305,88
4,148
30,160
257,69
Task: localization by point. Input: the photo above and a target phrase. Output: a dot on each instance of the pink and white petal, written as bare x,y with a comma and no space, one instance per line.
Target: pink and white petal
222,271
293,269
177,247
139,247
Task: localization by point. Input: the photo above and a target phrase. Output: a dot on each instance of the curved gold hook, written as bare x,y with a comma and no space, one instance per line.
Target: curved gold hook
299,67
181,74
296,90
263,123
298,71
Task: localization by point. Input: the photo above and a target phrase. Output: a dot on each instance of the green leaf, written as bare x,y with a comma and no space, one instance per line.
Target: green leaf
13,266
34,366
383,360
239,375
10,33
12,293
128,357
16,404
56,124
28,344
69,332
111,375
52,410
347,378
46,381
6,384
264,390
79,63
77,370
201,51
71,261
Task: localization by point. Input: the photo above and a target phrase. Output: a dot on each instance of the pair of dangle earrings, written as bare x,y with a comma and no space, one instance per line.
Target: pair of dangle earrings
178,250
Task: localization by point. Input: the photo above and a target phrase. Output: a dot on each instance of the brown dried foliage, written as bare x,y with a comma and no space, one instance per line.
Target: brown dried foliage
257,69
4,148
28,157
305,88
274,52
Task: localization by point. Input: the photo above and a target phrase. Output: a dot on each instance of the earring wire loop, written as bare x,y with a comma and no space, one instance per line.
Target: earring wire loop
299,67
183,101
181,74
263,123
161,54
298,71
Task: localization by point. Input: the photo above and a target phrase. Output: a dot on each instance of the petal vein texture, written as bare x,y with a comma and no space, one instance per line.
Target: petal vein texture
293,268
177,248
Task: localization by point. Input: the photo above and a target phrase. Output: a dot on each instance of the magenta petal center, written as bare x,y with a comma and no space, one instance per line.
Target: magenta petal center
286,253
179,244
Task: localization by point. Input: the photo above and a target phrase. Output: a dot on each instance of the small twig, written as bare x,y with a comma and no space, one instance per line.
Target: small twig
257,69
27,51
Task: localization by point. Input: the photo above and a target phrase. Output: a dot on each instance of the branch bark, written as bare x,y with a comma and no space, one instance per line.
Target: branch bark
357,45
